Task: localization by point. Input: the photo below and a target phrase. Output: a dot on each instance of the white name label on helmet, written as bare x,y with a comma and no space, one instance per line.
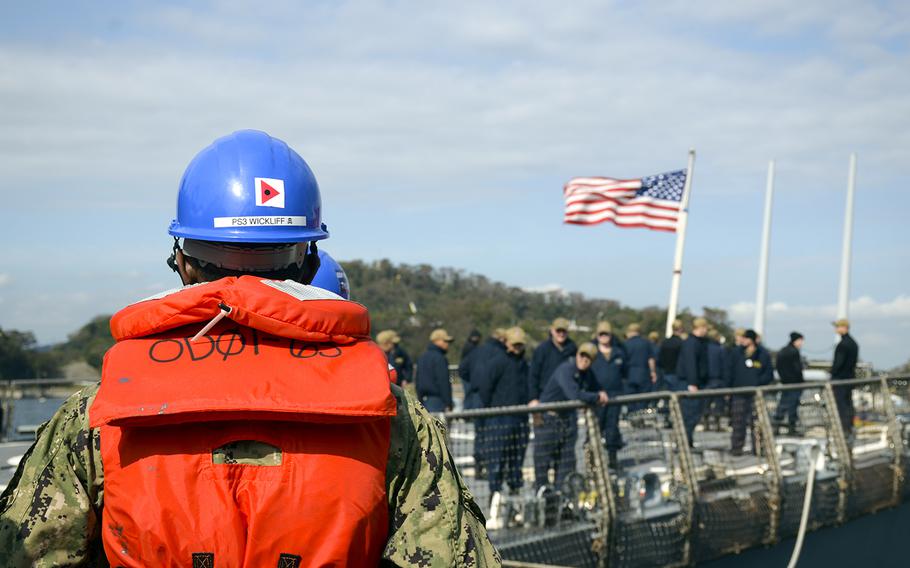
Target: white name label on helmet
259,221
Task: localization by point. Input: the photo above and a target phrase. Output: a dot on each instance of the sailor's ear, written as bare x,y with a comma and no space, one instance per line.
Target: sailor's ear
187,271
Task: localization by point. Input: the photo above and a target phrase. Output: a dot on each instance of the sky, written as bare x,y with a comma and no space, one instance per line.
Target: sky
443,132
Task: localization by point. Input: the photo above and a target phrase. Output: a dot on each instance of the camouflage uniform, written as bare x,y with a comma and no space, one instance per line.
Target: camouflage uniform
51,510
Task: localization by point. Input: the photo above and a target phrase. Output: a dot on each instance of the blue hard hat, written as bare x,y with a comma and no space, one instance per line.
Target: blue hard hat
249,188
331,276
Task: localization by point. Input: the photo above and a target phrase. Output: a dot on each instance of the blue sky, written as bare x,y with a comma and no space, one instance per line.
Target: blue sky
443,132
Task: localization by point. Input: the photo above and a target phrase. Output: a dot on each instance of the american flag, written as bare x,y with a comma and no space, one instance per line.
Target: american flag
652,202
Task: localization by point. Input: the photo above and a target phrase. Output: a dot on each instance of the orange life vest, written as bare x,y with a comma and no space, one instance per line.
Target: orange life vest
290,366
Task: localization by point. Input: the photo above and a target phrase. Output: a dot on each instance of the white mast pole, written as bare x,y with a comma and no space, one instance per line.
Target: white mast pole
761,296
843,296
680,243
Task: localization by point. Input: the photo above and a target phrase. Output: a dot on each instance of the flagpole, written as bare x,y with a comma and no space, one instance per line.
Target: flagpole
761,296
680,244
843,296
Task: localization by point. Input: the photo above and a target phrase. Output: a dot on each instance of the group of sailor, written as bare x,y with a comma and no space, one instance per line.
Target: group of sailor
495,373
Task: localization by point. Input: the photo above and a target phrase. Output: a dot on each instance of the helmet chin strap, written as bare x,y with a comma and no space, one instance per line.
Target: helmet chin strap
310,264
172,261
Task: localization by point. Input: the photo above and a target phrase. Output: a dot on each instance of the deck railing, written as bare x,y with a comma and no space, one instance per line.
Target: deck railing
657,479
674,478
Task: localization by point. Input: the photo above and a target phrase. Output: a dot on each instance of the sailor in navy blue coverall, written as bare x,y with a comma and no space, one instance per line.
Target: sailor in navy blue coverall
503,381
750,366
609,369
692,371
433,385
555,437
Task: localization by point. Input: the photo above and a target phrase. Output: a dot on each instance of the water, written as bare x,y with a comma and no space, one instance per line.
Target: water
30,412
26,414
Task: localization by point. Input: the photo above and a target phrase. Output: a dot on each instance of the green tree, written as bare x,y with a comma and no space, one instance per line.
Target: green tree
21,359
460,302
15,362
90,342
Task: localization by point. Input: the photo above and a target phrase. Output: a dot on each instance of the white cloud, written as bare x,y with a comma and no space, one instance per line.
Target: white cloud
863,308
881,327
867,308
838,19
502,89
4,279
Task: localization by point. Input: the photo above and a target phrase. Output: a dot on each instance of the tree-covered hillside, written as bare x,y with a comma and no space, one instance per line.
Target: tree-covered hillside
459,302
413,300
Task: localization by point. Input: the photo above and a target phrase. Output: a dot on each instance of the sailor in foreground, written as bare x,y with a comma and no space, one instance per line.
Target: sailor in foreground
245,419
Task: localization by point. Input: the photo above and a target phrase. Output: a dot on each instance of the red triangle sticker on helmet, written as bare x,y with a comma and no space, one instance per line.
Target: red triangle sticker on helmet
267,192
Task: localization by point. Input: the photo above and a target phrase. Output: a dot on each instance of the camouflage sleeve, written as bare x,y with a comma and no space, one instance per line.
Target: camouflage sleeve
434,521
50,511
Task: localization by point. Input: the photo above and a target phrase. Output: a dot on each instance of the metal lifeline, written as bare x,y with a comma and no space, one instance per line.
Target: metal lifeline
666,503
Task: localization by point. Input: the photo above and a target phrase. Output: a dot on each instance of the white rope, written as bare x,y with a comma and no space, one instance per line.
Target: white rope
223,312
807,502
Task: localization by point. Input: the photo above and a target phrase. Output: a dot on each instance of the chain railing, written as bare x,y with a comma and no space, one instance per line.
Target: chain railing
800,418
538,475
645,496
651,479
873,450
899,388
